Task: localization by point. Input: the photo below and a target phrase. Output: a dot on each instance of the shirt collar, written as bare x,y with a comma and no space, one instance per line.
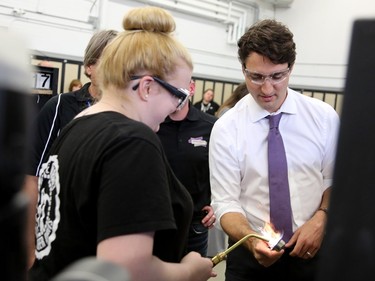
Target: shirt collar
192,115
289,107
83,94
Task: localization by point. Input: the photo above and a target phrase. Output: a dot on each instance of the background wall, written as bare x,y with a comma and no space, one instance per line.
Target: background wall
322,32
206,39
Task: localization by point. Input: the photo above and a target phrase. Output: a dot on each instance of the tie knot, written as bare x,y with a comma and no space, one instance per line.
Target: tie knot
274,120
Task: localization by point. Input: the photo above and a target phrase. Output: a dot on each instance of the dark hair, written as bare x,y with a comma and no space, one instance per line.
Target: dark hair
237,94
269,38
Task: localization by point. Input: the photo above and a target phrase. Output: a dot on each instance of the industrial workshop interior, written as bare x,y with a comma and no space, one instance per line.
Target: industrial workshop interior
42,51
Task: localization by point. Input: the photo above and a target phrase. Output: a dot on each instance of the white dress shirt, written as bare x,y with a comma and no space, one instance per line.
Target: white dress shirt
238,157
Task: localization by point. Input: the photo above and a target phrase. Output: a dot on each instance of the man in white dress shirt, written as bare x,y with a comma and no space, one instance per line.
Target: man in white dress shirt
239,161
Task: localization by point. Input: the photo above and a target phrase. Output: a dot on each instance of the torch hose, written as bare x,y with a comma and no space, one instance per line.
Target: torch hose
221,256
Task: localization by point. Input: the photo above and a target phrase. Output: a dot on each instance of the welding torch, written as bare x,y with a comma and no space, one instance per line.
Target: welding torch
221,256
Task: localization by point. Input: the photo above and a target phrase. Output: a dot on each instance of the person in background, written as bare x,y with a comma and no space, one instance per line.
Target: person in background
207,104
75,85
45,63
238,93
106,188
185,135
54,116
239,162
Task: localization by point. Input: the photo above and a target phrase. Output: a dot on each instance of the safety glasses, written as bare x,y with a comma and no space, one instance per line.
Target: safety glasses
260,78
180,93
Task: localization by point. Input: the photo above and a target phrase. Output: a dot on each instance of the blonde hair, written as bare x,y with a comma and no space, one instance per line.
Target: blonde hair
146,46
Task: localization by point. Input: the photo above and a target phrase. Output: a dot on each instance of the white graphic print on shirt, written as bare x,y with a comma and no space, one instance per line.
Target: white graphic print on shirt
48,214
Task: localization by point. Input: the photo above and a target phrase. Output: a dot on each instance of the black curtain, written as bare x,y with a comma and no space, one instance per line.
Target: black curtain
348,252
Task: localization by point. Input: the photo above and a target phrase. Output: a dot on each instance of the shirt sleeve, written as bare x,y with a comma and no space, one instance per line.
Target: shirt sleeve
134,179
225,172
45,130
331,133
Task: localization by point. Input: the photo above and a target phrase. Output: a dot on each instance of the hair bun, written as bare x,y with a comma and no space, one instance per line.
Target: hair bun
152,19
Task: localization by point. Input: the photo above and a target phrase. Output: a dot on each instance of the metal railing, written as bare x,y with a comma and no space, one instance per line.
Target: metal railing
334,97
222,88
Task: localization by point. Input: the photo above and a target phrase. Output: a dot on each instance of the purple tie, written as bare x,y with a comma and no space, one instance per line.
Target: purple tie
280,209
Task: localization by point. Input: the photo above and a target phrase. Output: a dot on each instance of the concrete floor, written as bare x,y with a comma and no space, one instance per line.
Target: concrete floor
217,242
219,269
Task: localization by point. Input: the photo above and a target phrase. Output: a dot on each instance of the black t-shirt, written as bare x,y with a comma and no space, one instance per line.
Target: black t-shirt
54,115
186,144
106,176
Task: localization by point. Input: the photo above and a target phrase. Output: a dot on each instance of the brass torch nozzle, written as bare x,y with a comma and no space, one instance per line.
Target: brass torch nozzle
221,256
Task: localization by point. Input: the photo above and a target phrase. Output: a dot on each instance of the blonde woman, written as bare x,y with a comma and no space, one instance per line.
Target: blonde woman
108,188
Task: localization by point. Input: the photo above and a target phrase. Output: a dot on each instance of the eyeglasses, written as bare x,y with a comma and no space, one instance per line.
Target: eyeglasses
180,93
274,78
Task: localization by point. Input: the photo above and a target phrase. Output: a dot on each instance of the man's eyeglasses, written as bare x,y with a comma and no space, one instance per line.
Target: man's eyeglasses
180,93
274,78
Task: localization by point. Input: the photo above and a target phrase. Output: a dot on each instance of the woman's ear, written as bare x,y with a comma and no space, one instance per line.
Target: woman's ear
144,87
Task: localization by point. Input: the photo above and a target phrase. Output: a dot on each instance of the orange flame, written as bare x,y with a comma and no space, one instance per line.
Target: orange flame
273,236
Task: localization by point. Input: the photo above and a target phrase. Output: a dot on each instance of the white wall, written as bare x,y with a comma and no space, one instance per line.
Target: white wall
322,30
51,27
206,40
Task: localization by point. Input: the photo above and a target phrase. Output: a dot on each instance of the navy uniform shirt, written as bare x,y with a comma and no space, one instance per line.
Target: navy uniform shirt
186,146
